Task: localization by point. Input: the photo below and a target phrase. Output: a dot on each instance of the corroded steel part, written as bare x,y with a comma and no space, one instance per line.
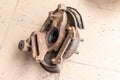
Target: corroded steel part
57,39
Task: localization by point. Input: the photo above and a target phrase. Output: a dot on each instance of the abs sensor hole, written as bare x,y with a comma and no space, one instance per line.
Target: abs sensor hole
53,36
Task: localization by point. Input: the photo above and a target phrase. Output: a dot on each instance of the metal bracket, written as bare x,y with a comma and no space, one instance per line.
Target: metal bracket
57,40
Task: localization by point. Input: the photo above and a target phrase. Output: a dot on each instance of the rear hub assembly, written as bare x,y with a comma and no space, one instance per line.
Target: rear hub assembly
57,39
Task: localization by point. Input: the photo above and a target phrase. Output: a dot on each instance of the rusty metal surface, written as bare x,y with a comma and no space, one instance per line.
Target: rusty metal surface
57,40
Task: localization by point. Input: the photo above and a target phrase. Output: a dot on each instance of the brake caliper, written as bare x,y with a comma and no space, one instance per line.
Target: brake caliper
57,39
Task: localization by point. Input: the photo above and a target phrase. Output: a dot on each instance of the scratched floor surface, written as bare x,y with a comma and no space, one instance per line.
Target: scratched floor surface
99,54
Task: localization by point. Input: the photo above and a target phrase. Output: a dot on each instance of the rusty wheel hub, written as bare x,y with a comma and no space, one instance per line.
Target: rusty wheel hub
57,40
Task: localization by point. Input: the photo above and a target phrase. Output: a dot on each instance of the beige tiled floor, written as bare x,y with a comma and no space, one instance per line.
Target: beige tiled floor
99,57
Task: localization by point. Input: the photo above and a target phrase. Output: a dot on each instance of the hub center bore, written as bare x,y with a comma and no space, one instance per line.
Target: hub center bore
53,36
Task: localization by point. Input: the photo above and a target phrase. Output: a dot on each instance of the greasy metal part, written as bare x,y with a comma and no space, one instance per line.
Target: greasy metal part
77,16
24,46
57,39
63,48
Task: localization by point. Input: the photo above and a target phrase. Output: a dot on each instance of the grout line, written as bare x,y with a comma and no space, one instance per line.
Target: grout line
61,67
98,67
59,75
8,27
